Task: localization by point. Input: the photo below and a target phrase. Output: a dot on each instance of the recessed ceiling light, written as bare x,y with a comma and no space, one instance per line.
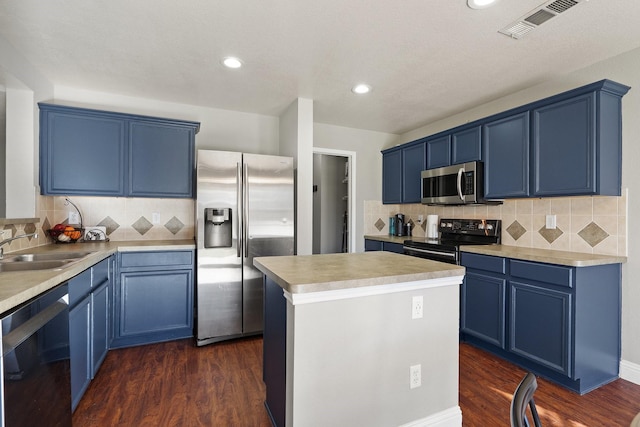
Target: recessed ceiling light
480,4
361,89
231,62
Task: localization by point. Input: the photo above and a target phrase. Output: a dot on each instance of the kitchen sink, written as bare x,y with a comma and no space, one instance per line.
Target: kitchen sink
50,256
33,265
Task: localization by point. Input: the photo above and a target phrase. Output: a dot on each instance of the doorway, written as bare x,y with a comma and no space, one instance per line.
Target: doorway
333,201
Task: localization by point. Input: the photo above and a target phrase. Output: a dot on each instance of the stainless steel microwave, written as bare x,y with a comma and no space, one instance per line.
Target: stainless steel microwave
454,185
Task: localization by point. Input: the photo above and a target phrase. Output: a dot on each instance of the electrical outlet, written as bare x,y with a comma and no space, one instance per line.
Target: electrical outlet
415,376
74,218
416,307
5,234
155,218
420,219
550,222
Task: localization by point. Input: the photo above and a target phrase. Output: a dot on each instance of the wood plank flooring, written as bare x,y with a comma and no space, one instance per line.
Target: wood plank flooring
178,384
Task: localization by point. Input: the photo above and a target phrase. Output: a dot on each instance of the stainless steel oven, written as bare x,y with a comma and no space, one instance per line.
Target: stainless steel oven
454,233
36,385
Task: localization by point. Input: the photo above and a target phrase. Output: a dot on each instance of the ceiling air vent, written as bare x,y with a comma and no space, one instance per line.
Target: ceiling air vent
538,16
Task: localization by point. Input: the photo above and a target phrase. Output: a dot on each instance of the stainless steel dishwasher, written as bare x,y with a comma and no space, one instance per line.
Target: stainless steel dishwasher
36,385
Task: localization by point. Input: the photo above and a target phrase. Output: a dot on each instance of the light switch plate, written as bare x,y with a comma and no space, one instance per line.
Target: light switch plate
550,222
5,234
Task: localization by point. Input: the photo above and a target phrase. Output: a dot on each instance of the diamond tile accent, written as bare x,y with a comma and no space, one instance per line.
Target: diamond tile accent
379,224
174,225
516,230
142,225
46,225
29,229
424,226
110,224
593,234
550,235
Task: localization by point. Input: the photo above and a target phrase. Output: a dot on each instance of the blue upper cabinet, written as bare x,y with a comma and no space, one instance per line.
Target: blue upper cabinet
99,153
161,160
466,145
439,152
81,153
577,144
392,176
506,157
413,163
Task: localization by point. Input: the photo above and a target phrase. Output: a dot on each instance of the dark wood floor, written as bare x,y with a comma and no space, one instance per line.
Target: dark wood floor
177,384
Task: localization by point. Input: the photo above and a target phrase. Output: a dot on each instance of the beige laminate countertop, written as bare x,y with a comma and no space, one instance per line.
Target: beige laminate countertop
387,238
317,273
17,287
571,259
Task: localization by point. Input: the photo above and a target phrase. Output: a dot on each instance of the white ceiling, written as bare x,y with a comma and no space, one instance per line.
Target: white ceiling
426,59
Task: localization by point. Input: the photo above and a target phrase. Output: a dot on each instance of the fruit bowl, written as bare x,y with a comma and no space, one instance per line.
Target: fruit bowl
67,235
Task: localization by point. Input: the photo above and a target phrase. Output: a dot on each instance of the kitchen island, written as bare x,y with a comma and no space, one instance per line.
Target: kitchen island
361,339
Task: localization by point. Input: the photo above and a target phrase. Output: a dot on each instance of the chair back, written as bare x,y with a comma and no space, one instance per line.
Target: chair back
522,398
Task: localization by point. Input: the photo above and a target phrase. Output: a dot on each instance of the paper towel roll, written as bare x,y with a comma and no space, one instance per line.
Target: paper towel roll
432,226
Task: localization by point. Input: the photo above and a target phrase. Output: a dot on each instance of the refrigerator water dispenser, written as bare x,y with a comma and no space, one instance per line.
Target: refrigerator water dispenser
217,228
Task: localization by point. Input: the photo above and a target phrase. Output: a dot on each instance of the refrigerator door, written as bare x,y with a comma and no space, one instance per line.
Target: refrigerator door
268,225
219,273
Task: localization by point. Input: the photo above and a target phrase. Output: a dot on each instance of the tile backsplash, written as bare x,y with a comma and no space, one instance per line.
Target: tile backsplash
124,218
596,224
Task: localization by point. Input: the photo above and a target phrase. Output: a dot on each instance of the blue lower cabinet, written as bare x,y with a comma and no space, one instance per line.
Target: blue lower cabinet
153,303
378,245
89,323
80,349
560,322
483,307
100,327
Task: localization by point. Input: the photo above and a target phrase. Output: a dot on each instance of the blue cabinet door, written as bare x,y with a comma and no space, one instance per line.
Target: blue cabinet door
439,152
413,163
100,326
81,154
80,349
540,326
392,177
483,307
392,247
564,147
372,245
466,145
161,160
506,157
153,305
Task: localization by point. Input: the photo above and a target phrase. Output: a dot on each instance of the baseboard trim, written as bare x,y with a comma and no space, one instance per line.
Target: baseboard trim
451,417
630,371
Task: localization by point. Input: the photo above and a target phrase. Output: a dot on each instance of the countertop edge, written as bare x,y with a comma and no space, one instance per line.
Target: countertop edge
38,282
548,256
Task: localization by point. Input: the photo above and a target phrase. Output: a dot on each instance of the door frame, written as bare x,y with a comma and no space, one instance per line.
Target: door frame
351,190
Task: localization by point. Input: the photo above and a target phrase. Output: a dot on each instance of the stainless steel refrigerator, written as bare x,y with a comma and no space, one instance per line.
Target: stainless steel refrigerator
244,210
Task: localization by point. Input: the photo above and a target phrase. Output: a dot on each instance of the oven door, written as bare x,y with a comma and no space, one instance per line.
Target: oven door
442,255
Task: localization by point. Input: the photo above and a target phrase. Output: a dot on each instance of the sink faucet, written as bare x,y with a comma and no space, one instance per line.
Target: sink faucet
5,241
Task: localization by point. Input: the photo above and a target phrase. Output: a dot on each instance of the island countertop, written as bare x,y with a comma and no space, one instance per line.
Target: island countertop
20,286
317,273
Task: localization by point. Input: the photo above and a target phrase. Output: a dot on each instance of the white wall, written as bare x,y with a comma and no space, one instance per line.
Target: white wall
296,140
624,69
367,145
25,87
219,129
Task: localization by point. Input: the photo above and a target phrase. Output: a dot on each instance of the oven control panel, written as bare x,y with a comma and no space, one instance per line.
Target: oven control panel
485,227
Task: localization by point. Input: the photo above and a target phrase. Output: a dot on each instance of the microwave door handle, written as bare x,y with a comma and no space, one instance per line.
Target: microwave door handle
460,172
